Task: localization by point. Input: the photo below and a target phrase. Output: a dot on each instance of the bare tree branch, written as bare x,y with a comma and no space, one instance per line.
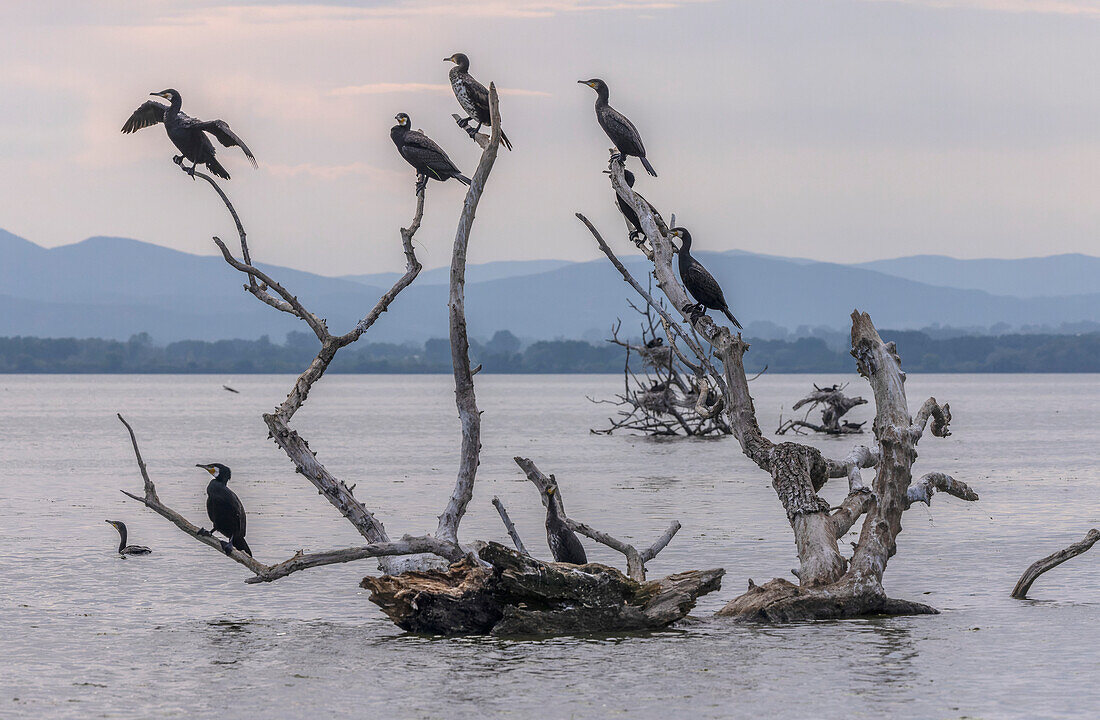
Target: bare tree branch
512,533
922,490
941,417
635,561
465,398
1052,561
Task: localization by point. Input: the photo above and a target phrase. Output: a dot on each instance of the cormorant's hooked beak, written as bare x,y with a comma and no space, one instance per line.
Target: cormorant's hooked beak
160,94
208,468
550,490
450,59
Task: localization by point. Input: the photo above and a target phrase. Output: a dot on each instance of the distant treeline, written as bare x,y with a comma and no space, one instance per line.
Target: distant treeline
505,354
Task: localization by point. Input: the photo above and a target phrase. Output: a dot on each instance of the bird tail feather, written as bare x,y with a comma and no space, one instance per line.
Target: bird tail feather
462,179
648,168
240,544
216,167
732,318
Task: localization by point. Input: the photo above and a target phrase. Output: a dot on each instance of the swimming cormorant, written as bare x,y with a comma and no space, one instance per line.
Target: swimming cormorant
187,133
123,548
472,96
700,283
637,235
423,154
564,543
621,131
225,510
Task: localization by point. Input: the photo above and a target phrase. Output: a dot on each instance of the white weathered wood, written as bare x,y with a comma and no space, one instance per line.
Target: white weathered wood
465,398
408,545
509,526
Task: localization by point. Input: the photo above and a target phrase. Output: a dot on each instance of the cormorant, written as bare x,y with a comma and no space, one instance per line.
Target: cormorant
123,548
187,133
621,131
628,211
700,283
423,154
225,510
472,96
564,543
655,343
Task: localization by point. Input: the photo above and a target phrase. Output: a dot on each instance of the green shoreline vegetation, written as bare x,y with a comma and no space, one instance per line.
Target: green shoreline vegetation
1030,353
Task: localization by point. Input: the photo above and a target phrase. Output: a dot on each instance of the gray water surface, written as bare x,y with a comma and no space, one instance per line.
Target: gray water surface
86,634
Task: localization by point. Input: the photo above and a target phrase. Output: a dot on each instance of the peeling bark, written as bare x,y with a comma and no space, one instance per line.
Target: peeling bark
829,586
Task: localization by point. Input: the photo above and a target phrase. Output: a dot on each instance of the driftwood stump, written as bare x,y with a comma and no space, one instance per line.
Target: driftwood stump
519,595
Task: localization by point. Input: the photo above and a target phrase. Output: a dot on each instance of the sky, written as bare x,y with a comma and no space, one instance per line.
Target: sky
842,130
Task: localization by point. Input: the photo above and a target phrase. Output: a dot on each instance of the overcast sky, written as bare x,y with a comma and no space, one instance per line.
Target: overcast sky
842,130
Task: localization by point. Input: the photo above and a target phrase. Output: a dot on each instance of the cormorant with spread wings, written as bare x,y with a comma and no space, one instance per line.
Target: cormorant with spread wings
187,133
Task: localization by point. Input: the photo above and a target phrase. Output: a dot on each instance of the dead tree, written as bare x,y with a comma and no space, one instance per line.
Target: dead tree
1052,561
500,591
661,400
835,405
830,584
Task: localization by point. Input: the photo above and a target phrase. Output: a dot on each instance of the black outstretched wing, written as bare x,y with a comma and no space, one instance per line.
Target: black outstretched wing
421,150
622,132
149,113
228,138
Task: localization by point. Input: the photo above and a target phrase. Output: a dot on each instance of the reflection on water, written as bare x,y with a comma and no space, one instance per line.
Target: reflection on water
178,634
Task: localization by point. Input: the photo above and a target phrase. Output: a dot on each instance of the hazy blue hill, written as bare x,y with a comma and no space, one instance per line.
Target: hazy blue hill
115,287
1056,275
474,273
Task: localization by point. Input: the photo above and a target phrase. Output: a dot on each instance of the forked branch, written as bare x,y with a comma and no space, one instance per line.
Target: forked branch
635,559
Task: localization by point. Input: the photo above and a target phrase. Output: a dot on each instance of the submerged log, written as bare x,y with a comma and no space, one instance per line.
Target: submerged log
519,595
781,601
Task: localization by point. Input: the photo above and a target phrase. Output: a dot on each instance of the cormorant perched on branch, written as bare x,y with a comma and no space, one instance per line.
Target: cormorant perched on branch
123,548
700,283
628,211
187,133
423,154
564,543
472,96
225,510
621,131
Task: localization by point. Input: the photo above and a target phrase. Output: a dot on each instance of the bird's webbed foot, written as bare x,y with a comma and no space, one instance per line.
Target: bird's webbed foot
421,183
178,159
203,532
464,122
227,547
191,170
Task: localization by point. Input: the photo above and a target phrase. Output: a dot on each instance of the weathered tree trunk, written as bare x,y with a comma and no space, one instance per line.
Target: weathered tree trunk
519,595
829,585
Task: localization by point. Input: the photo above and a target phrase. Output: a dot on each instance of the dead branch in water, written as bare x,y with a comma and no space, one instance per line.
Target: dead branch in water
261,285
830,585
635,559
1052,561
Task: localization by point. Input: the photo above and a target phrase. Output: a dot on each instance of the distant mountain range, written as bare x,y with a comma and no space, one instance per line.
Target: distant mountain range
116,287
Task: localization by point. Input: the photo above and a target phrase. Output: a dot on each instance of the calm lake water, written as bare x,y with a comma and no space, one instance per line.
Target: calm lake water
86,634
